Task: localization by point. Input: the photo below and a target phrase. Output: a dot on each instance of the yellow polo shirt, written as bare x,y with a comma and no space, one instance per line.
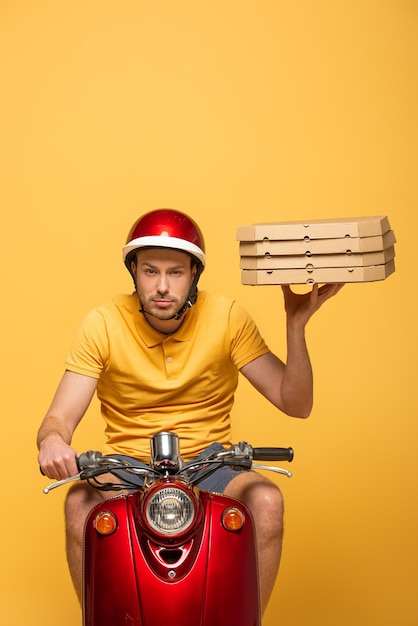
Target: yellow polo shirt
149,382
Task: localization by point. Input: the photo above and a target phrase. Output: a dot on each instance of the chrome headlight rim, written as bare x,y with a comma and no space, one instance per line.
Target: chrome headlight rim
169,510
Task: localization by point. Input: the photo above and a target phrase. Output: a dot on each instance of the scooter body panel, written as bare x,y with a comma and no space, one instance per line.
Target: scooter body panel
110,594
209,579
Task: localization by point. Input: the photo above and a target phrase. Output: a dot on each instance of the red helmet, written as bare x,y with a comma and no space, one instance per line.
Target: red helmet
166,228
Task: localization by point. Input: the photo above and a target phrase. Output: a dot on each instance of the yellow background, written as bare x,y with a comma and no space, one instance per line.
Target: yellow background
233,111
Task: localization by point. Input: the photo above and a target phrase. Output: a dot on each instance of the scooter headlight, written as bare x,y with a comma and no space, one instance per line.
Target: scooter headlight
170,511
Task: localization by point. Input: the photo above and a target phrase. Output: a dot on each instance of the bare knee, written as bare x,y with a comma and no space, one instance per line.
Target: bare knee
263,498
81,498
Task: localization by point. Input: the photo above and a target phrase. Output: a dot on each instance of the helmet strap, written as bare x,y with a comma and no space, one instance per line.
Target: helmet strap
187,305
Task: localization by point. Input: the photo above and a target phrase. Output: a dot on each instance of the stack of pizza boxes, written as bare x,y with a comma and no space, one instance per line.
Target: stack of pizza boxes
342,250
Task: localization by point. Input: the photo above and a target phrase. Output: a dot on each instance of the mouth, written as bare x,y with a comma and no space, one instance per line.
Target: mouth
162,302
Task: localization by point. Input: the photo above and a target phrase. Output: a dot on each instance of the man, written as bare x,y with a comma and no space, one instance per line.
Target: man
168,358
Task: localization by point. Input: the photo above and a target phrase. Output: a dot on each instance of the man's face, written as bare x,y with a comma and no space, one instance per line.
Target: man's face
163,279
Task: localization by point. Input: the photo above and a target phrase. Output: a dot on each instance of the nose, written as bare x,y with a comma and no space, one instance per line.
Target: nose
162,286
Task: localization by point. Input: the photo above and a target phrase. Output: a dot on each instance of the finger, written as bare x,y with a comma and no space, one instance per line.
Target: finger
315,292
337,287
330,290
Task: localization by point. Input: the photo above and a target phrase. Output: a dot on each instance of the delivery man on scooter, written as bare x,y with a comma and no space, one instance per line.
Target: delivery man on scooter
168,358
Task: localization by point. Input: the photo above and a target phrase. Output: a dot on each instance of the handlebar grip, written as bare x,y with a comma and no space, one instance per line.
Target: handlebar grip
273,454
88,459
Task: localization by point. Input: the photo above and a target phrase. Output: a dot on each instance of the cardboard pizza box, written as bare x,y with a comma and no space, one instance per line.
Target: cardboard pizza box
268,262
341,245
317,275
338,228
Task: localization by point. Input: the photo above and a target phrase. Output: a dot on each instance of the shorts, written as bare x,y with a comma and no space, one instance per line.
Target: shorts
216,482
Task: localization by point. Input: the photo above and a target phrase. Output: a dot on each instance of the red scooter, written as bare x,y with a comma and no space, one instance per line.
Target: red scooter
168,552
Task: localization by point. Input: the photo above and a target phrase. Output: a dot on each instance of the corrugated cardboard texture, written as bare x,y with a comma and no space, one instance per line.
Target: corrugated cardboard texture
318,246
269,262
315,229
317,275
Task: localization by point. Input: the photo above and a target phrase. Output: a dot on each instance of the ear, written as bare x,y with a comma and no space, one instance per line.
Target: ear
133,267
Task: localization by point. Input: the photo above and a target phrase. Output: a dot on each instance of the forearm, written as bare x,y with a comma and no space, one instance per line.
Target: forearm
56,457
70,403
297,382
53,427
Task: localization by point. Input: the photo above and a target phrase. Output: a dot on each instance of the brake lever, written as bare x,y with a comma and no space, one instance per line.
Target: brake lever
272,468
59,483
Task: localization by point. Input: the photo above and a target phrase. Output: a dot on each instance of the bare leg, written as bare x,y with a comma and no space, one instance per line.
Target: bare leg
265,502
80,500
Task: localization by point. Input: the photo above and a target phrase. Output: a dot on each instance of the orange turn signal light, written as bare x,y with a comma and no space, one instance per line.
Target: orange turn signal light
233,519
105,523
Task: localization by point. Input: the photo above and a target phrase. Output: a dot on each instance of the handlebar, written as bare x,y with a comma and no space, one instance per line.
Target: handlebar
241,456
273,454
88,459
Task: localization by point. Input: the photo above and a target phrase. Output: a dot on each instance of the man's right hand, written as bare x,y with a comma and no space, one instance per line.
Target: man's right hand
56,458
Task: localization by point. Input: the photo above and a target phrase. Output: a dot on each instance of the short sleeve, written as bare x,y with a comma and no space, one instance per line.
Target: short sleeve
88,353
247,343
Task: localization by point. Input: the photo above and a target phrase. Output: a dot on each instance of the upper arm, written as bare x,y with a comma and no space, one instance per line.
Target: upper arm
72,399
265,373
